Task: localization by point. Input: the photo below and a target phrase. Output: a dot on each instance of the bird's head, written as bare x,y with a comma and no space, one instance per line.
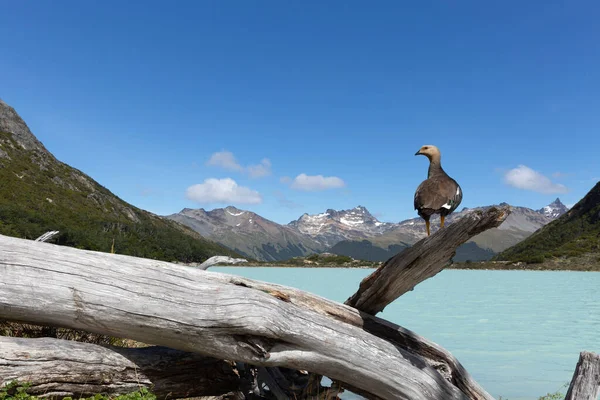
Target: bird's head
429,151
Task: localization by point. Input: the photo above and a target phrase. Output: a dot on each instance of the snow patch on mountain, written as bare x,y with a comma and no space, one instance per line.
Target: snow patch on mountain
554,209
235,214
334,226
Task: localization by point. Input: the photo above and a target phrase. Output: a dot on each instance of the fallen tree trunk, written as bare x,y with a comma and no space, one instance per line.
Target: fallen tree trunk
58,368
585,384
232,318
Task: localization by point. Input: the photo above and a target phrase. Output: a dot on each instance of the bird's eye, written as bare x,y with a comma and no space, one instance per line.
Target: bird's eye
425,148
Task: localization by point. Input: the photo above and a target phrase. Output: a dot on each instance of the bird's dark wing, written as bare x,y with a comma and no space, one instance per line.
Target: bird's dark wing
454,195
438,194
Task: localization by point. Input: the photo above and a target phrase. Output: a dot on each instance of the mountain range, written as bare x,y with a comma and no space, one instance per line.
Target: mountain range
248,233
38,193
354,232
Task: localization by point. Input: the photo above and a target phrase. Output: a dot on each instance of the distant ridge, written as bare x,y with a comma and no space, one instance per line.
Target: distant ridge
575,233
353,232
369,239
248,233
38,193
334,226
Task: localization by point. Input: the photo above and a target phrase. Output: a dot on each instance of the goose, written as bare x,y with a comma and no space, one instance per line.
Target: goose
438,194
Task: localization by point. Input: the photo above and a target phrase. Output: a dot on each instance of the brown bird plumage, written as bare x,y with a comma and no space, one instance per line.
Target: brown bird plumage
438,194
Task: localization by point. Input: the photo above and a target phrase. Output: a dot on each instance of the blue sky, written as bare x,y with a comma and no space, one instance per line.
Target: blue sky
209,103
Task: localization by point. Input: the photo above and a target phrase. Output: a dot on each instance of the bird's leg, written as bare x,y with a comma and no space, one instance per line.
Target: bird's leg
442,218
427,225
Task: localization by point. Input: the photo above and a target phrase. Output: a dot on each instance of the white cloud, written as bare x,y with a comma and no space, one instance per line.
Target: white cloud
260,170
316,182
222,191
226,160
526,178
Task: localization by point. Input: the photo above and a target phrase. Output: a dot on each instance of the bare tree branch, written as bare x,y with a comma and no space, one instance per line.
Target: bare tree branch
425,259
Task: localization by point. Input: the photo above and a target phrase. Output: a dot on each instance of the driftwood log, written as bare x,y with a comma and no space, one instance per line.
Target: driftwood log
585,384
232,318
58,368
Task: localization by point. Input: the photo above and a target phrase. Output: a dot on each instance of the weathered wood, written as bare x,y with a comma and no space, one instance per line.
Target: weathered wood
47,236
216,260
408,268
224,317
433,355
56,367
425,259
585,384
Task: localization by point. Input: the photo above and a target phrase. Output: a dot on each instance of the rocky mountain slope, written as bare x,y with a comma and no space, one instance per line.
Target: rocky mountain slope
554,209
520,224
38,193
354,232
576,233
248,233
334,226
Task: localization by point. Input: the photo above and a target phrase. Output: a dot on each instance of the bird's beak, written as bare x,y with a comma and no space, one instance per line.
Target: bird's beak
417,153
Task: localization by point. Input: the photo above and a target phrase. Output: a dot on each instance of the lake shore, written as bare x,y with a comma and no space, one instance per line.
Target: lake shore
554,265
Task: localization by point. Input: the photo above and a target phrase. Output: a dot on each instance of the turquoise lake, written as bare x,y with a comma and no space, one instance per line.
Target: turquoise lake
518,333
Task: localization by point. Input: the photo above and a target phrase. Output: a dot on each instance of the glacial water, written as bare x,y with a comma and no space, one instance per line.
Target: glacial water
518,333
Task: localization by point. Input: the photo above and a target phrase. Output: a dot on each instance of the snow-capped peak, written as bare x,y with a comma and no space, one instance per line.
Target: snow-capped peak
554,209
340,225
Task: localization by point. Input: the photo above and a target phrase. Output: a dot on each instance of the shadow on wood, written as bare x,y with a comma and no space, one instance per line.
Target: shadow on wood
56,367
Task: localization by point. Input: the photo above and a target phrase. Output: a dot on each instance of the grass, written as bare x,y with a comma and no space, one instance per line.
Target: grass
18,391
558,395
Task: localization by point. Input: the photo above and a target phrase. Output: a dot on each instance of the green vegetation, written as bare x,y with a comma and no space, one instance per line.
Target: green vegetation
325,260
366,250
330,258
18,391
39,193
584,263
21,330
558,395
575,234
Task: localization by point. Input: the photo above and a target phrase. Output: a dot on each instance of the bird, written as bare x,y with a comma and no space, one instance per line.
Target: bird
438,194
